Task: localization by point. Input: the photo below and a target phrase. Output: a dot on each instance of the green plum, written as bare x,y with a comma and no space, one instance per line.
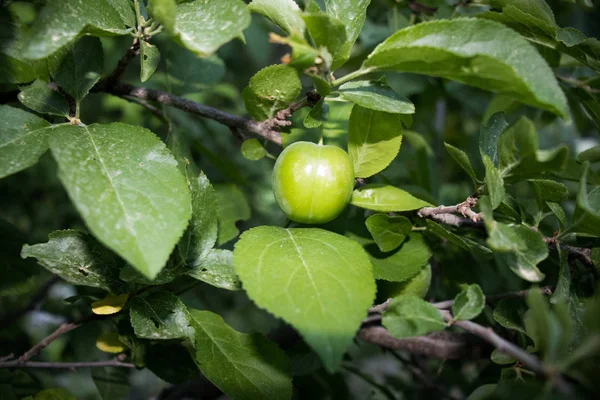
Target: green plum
418,285
313,183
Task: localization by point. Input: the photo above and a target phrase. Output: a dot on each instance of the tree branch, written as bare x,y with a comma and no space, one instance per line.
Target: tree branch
66,365
463,208
581,254
116,75
545,290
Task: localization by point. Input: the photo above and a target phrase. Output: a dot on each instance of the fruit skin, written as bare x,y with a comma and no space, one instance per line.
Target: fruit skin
313,183
418,285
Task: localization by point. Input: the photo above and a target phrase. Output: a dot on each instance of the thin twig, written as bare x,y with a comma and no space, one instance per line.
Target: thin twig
67,365
153,109
463,208
578,83
581,254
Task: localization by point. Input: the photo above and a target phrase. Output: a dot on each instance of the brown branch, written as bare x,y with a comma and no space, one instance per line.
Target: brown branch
264,129
67,365
441,345
581,254
421,8
463,208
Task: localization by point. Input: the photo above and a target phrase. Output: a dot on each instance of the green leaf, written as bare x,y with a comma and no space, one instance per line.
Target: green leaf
112,383
517,247
40,98
232,207
468,303
587,210
80,260
317,115
164,11
303,54
445,48
352,13
217,270
543,326
463,160
284,13
374,139
244,367
149,60
201,234
388,232
204,26
318,281
498,357
488,137
476,249
160,316
23,139
376,95
126,186
405,263
558,212
547,190
326,31
409,316
61,21
592,155
386,198
271,89
253,150
493,182
19,275
76,68
509,313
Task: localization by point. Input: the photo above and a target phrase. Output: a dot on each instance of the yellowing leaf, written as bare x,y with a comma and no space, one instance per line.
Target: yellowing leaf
109,305
109,343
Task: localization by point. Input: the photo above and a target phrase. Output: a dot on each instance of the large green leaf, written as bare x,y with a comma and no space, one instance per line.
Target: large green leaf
548,190
493,182
205,25
77,67
160,315
244,367
374,139
509,313
318,281
376,95
217,270
271,89
126,185
39,97
284,13
489,134
201,234
499,60
386,198
404,263
232,207
61,21
80,260
23,139
409,316
352,13
468,303
388,231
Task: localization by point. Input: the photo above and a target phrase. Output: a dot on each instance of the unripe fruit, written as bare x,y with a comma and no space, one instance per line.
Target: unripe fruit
418,285
313,183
